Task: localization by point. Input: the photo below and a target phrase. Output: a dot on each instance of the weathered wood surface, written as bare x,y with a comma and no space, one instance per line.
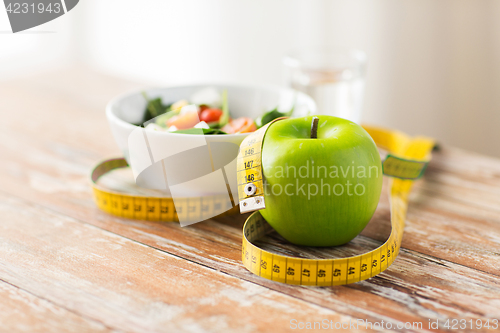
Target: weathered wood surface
68,259
22,311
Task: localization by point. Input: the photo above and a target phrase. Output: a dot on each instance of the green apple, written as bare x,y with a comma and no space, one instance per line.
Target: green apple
322,184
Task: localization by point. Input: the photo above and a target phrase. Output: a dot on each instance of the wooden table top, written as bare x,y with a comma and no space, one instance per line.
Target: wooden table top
66,266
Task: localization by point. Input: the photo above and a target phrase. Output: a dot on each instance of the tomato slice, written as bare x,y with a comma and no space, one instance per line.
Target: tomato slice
210,115
240,125
184,121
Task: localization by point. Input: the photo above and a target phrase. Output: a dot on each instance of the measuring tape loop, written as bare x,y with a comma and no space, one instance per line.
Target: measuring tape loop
406,162
151,208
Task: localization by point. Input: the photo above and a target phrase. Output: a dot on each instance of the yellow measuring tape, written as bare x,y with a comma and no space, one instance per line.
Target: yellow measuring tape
407,161
152,208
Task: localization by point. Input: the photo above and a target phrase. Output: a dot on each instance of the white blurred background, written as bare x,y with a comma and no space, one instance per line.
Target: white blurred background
433,66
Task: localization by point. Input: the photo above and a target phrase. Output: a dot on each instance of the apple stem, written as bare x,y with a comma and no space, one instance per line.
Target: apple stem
314,128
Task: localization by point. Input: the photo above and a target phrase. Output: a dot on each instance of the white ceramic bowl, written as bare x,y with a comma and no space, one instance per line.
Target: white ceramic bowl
243,100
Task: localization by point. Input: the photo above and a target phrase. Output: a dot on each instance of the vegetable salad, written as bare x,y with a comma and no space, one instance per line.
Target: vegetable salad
207,110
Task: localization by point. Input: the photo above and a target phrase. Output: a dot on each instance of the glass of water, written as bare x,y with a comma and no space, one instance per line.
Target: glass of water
334,78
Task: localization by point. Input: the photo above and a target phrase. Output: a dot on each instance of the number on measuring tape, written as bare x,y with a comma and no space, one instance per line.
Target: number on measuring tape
249,172
151,208
403,168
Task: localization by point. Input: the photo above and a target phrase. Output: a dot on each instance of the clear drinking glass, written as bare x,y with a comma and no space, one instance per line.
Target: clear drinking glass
334,78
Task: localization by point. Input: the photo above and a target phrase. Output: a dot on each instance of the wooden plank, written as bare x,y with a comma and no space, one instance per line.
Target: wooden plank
21,311
452,215
128,286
